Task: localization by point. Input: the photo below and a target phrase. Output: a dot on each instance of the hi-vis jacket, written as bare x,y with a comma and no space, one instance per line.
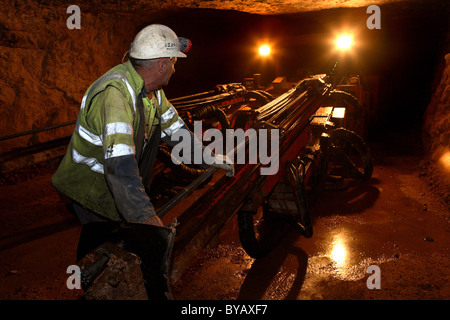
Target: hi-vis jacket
99,169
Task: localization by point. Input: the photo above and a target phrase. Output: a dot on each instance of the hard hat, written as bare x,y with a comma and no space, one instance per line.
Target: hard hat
158,41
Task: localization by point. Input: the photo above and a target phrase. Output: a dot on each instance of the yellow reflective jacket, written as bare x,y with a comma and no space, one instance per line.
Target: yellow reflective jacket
99,169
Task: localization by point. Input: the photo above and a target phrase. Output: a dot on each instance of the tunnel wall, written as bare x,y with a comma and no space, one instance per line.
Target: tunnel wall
46,67
436,135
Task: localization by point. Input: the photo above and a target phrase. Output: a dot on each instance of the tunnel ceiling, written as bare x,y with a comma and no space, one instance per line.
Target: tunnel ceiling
269,6
263,7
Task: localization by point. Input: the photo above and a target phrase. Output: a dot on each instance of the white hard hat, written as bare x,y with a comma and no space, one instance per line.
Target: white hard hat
158,41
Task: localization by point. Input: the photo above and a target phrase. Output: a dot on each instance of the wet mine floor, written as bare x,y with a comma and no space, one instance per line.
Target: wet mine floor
386,239
390,229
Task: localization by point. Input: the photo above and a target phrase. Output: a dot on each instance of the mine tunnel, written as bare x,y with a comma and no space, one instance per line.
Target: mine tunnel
397,68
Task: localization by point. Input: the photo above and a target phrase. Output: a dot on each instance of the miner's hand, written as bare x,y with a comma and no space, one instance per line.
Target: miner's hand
223,162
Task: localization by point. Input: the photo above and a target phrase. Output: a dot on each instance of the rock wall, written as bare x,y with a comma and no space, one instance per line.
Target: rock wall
436,136
46,67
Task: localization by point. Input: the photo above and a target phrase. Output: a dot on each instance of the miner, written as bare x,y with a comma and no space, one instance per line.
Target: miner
123,116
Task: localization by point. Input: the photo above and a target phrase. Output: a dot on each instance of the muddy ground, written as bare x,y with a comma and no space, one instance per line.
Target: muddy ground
393,222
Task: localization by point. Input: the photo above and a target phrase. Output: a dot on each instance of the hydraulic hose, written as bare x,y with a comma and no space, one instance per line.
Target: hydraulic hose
188,171
211,111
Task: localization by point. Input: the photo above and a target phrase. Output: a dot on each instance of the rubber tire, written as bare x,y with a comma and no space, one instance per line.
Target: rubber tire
259,246
340,136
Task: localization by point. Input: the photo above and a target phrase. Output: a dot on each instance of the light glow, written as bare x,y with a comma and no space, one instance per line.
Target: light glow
264,50
344,42
339,113
339,253
445,160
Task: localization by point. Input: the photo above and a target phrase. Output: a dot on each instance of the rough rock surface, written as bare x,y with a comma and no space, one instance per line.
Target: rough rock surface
46,67
121,278
436,136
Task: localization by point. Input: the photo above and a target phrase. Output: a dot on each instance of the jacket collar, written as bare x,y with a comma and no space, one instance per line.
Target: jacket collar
136,80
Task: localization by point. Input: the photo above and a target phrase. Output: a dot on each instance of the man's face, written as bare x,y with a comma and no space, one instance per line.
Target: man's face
158,76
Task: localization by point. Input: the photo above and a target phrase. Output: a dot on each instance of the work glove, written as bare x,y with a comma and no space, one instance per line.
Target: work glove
222,161
155,221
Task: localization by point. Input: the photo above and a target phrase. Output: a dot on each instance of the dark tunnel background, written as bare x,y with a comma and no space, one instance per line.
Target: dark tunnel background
404,55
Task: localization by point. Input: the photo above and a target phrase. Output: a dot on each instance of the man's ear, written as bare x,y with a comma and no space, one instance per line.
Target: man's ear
161,66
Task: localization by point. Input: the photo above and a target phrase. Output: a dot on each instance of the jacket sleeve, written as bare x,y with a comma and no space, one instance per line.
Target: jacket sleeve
121,169
122,175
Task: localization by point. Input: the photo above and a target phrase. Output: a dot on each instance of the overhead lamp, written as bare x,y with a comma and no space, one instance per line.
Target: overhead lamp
264,50
344,42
